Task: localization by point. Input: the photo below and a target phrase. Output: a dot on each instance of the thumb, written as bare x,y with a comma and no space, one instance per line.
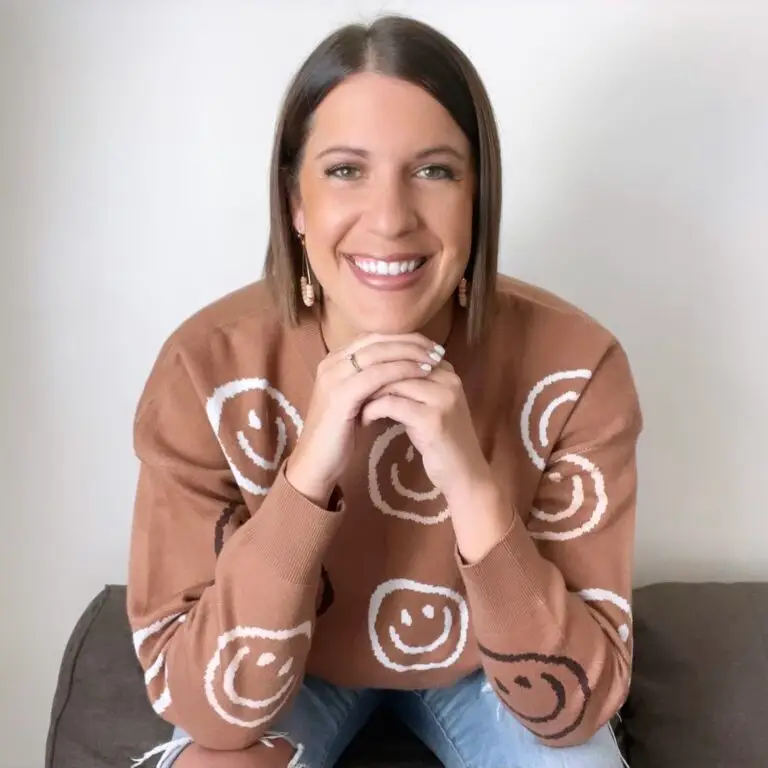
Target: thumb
372,411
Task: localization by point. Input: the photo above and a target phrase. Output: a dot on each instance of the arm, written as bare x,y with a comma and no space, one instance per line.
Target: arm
222,640
550,604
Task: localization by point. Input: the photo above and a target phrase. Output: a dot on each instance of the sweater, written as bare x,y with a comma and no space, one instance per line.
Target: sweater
238,585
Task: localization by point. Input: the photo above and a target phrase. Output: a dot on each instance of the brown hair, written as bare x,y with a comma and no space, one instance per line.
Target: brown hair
411,51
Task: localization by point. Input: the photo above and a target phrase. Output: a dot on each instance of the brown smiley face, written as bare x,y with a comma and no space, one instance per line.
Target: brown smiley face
556,686
232,517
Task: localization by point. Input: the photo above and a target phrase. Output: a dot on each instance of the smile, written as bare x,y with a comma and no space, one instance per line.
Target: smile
393,273
388,268
417,650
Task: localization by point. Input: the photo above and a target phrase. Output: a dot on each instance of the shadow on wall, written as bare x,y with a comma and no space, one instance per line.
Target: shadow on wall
635,230
17,342
20,394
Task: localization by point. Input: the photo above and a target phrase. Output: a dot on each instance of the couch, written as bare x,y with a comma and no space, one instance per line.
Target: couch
699,695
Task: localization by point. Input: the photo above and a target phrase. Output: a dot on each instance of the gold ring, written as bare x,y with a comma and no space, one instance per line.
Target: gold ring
352,359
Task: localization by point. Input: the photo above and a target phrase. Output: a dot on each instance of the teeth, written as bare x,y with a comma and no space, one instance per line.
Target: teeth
393,268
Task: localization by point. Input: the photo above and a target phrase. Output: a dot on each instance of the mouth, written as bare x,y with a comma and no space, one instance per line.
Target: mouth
395,272
421,649
392,266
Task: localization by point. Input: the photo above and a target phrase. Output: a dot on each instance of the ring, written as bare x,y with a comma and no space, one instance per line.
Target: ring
352,359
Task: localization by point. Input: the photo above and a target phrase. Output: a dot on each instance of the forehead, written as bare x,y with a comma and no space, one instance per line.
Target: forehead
376,112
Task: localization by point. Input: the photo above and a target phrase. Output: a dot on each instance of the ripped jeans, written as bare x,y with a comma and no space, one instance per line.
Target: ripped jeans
466,726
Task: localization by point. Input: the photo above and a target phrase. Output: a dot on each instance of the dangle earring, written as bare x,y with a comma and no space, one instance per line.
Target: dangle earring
463,299
307,289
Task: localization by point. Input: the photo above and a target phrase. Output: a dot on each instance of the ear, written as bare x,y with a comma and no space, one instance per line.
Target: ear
297,213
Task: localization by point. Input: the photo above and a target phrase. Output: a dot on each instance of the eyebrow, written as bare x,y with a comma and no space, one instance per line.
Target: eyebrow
441,149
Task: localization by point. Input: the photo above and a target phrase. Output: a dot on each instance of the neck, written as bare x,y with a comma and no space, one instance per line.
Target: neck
338,332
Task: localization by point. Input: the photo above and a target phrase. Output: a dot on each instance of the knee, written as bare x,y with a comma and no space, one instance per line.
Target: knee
273,753
601,751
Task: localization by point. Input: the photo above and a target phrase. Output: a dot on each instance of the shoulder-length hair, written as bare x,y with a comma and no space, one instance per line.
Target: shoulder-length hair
409,50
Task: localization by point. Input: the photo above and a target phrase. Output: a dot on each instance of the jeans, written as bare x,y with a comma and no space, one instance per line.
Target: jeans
466,726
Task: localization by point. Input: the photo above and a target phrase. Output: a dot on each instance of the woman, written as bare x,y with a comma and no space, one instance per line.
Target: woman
384,474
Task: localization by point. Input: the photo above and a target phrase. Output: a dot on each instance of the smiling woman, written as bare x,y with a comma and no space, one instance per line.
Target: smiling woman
342,495
386,163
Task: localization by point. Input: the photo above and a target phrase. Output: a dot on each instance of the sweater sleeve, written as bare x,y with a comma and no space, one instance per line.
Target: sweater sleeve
222,615
551,602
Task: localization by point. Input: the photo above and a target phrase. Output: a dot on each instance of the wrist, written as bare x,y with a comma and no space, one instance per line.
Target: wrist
479,490
315,489
480,517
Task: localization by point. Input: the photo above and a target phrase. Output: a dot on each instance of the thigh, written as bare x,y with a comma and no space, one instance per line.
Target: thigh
321,722
467,726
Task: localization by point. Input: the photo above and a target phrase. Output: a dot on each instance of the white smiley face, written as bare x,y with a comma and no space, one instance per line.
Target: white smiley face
605,596
426,507
589,501
401,607
242,403
274,665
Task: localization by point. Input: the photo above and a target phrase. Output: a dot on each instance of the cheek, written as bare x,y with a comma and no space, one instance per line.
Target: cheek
448,215
329,212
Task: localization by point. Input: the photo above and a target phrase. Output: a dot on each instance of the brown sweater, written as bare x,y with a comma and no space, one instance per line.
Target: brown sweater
239,585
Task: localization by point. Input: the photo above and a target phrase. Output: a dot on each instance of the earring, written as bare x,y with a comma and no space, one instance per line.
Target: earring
307,289
463,299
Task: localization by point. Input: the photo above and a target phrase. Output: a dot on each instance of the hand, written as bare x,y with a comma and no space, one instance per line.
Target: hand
434,411
327,440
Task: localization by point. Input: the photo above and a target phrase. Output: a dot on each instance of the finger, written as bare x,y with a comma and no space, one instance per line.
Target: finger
342,367
402,410
389,351
426,391
360,387
377,338
446,367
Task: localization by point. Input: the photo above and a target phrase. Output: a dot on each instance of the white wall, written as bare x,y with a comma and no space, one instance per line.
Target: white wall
134,142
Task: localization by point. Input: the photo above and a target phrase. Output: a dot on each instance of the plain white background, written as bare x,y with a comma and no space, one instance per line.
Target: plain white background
134,143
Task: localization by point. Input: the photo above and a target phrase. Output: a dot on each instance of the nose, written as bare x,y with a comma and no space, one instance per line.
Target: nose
391,212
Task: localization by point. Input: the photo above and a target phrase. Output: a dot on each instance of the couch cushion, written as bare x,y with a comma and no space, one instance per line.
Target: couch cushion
698,697
101,717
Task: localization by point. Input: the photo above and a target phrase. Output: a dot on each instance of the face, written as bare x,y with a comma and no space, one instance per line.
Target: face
255,653
555,688
256,426
385,198
401,488
543,417
415,626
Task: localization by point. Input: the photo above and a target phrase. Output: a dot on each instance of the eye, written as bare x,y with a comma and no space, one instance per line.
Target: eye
436,173
344,171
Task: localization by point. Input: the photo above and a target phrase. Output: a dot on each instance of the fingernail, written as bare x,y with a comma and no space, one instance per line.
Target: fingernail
439,349
426,367
436,356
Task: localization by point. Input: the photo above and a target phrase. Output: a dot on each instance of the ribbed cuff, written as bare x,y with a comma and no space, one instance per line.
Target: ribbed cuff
511,585
288,534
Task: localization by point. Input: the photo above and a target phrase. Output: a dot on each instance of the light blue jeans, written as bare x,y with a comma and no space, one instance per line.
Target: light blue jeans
466,726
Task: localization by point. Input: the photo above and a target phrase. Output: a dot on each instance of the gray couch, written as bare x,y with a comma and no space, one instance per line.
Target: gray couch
699,695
